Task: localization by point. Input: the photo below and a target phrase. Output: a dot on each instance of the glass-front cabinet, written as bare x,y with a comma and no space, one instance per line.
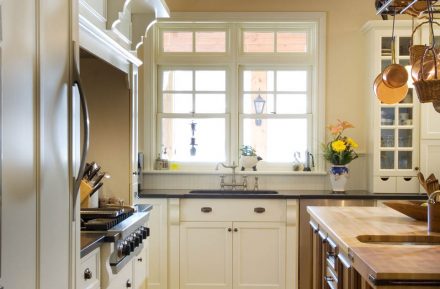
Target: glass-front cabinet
394,130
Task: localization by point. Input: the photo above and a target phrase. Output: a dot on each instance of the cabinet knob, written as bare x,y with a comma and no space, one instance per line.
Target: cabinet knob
235,230
259,210
140,259
416,168
206,209
229,230
87,274
128,284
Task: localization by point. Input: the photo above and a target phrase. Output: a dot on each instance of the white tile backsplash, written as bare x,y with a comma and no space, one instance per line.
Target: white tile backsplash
174,180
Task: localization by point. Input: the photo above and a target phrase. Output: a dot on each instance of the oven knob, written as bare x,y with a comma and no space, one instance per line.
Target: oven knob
126,248
145,232
131,243
136,239
120,250
139,236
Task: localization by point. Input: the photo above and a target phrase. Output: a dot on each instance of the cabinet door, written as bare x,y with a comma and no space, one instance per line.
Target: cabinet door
430,157
157,249
140,269
124,278
259,255
205,255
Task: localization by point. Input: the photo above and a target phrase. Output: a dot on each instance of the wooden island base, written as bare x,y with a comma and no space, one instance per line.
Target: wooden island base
371,247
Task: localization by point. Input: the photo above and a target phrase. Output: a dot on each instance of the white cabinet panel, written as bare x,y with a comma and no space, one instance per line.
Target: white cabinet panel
430,157
430,120
259,255
407,185
157,249
140,269
124,278
90,271
205,255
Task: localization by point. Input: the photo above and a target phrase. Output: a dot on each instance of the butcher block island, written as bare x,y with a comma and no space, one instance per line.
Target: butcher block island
372,247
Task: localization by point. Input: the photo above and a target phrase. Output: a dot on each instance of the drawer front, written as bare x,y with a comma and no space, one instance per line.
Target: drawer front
90,271
233,210
408,185
384,184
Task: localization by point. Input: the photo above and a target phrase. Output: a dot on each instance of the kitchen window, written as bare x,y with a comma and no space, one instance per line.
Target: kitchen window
212,75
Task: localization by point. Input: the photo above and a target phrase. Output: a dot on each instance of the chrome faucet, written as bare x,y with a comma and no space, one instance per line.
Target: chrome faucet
233,183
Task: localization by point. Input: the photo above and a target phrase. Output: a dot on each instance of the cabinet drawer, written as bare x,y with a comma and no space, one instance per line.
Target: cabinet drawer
407,185
233,210
90,271
384,184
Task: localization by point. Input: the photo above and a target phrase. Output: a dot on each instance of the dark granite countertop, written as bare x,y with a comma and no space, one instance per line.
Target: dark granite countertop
90,241
282,194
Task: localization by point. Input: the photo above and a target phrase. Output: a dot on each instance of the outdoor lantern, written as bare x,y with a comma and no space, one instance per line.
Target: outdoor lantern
259,103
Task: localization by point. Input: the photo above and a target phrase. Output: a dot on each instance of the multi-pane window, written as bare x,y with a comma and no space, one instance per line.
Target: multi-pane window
282,128
193,106
224,85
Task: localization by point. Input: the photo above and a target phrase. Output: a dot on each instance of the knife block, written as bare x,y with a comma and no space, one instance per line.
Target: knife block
434,217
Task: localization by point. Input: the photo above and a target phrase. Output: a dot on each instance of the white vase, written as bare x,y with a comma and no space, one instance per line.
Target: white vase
338,178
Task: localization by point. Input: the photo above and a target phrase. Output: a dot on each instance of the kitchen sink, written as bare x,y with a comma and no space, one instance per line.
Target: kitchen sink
400,239
234,192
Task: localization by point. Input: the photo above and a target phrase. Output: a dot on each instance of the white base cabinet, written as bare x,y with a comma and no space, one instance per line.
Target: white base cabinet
206,255
90,270
223,243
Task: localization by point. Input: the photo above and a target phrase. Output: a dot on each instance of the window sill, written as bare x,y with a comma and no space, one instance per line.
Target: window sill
228,172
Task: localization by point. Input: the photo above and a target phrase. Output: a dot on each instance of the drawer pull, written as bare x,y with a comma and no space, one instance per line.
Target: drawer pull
329,278
259,210
384,178
229,230
235,230
128,284
407,179
140,259
87,274
206,209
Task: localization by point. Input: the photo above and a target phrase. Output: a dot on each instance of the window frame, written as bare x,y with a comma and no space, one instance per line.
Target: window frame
234,23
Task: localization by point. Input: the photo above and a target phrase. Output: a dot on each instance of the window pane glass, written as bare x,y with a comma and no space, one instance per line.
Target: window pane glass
258,41
249,106
177,41
292,80
387,160
177,103
276,140
291,103
210,103
177,80
291,42
254,80
209,139
211,41
210,80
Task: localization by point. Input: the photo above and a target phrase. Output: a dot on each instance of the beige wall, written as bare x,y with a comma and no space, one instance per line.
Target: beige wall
109,105
345,96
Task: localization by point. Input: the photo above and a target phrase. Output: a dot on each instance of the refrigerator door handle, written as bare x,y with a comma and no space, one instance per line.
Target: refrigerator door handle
86,124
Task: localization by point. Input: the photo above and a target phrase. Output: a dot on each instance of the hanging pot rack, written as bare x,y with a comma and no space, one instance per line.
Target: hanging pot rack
389,7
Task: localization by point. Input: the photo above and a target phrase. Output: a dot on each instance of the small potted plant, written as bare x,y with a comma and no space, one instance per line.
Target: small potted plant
249,158
339,151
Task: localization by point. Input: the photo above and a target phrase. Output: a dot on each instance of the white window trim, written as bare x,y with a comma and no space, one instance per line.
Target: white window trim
318,81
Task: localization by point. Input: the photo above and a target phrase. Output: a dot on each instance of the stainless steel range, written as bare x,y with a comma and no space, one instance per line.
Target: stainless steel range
126,233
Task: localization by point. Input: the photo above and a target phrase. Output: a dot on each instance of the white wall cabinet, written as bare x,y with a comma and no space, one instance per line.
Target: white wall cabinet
223,243
394,129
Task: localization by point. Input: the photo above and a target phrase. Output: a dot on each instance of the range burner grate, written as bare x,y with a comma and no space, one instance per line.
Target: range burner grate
103,219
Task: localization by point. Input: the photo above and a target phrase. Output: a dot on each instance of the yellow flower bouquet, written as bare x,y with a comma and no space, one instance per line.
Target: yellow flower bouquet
340,150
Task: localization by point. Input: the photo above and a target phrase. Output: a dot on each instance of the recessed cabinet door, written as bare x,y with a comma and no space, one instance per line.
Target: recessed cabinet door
259,255
205,255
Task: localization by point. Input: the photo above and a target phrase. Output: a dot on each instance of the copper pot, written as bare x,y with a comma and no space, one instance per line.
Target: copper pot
395,75
386,94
